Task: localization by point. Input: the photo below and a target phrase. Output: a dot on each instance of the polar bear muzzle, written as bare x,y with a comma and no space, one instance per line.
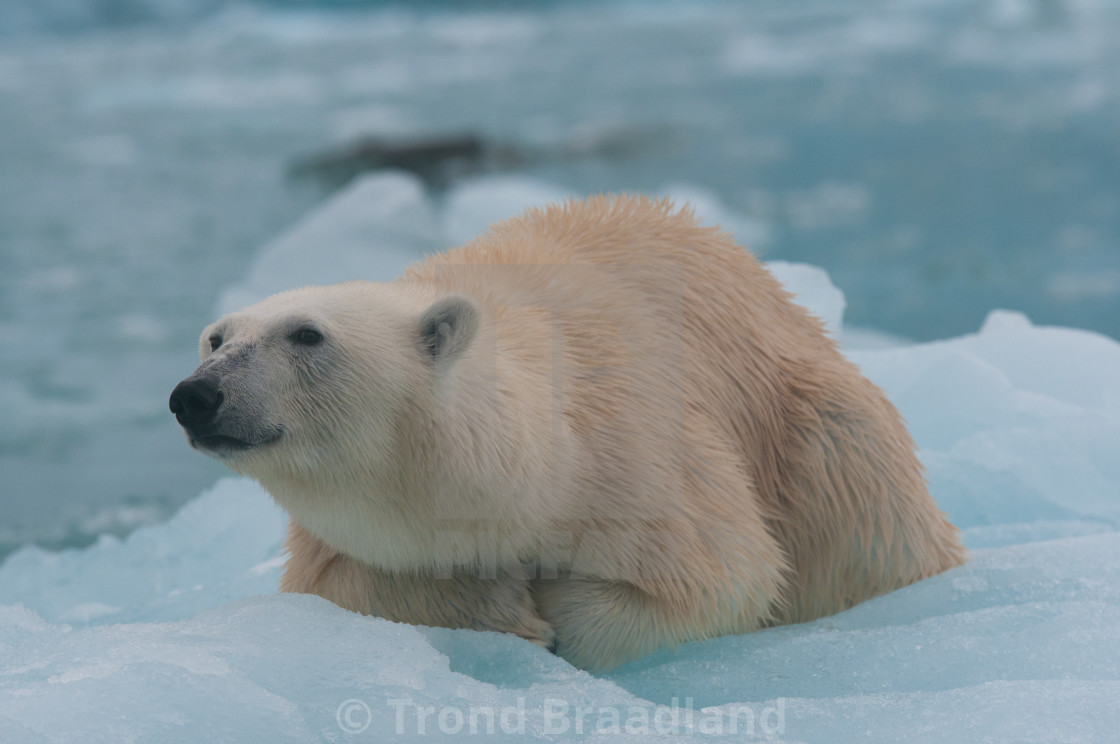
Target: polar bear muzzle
198,403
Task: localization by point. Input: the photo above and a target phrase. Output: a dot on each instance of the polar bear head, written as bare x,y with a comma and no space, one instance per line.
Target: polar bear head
306,378
316,392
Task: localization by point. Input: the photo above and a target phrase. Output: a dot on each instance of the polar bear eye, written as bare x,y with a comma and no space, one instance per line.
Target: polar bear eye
215,342
307,337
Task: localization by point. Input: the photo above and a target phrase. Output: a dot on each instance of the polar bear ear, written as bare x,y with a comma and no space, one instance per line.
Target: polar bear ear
447,327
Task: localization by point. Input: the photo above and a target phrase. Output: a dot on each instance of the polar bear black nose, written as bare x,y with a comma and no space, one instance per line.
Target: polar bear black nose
195,400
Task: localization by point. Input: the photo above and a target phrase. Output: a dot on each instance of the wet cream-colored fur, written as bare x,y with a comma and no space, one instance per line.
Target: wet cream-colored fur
599,426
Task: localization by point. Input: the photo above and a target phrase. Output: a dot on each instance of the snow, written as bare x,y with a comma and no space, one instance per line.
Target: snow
388,211
176,633
474,205
812,288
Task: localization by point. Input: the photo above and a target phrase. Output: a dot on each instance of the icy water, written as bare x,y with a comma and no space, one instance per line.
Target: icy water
938,159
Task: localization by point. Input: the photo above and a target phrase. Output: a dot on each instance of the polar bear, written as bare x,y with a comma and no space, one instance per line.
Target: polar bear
600,426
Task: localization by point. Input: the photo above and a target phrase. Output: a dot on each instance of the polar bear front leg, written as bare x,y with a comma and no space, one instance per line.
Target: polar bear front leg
503,604
602,623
